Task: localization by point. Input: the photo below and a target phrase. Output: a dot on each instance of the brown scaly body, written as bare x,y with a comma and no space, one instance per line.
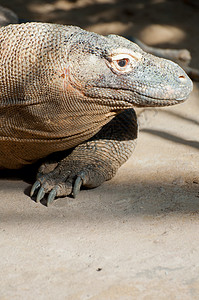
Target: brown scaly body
38,103
60,86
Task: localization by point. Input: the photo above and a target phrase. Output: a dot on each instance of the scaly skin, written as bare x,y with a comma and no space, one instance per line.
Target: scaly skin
180,56
65,88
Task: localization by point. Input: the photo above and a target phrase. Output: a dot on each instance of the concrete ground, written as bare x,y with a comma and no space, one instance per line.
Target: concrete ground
134,237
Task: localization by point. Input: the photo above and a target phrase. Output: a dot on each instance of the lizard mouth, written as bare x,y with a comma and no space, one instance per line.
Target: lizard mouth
126,97
141,99
136,94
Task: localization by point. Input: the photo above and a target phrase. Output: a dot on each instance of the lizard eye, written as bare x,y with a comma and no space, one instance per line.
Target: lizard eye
123,60
122,63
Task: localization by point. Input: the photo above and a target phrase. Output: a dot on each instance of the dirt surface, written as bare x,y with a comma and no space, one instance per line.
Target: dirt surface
136,236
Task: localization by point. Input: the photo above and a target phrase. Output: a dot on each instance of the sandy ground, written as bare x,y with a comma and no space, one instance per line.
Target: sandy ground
136,236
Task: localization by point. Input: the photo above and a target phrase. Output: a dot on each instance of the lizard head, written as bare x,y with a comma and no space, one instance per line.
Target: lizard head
119,73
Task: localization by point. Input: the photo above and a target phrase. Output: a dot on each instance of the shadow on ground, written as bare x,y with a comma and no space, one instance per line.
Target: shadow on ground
117,199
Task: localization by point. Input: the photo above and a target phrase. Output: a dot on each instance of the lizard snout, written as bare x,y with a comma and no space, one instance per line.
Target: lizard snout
185,82
181,77
184,79
180,82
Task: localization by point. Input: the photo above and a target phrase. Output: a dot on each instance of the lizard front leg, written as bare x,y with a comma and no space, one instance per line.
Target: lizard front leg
90,163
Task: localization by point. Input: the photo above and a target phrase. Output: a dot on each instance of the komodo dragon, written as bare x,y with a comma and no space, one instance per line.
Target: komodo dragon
63,88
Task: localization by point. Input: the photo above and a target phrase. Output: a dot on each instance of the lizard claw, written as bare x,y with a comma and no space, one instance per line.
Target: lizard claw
40,194
35,186
63,182
77,186
51,196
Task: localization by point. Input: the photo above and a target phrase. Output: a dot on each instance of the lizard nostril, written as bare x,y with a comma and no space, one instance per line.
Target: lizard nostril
182,78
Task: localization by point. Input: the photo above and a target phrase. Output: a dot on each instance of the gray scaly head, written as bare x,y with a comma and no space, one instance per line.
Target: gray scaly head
119,73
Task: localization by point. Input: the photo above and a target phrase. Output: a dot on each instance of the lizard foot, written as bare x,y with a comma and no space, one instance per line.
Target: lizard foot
65,180
89,164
